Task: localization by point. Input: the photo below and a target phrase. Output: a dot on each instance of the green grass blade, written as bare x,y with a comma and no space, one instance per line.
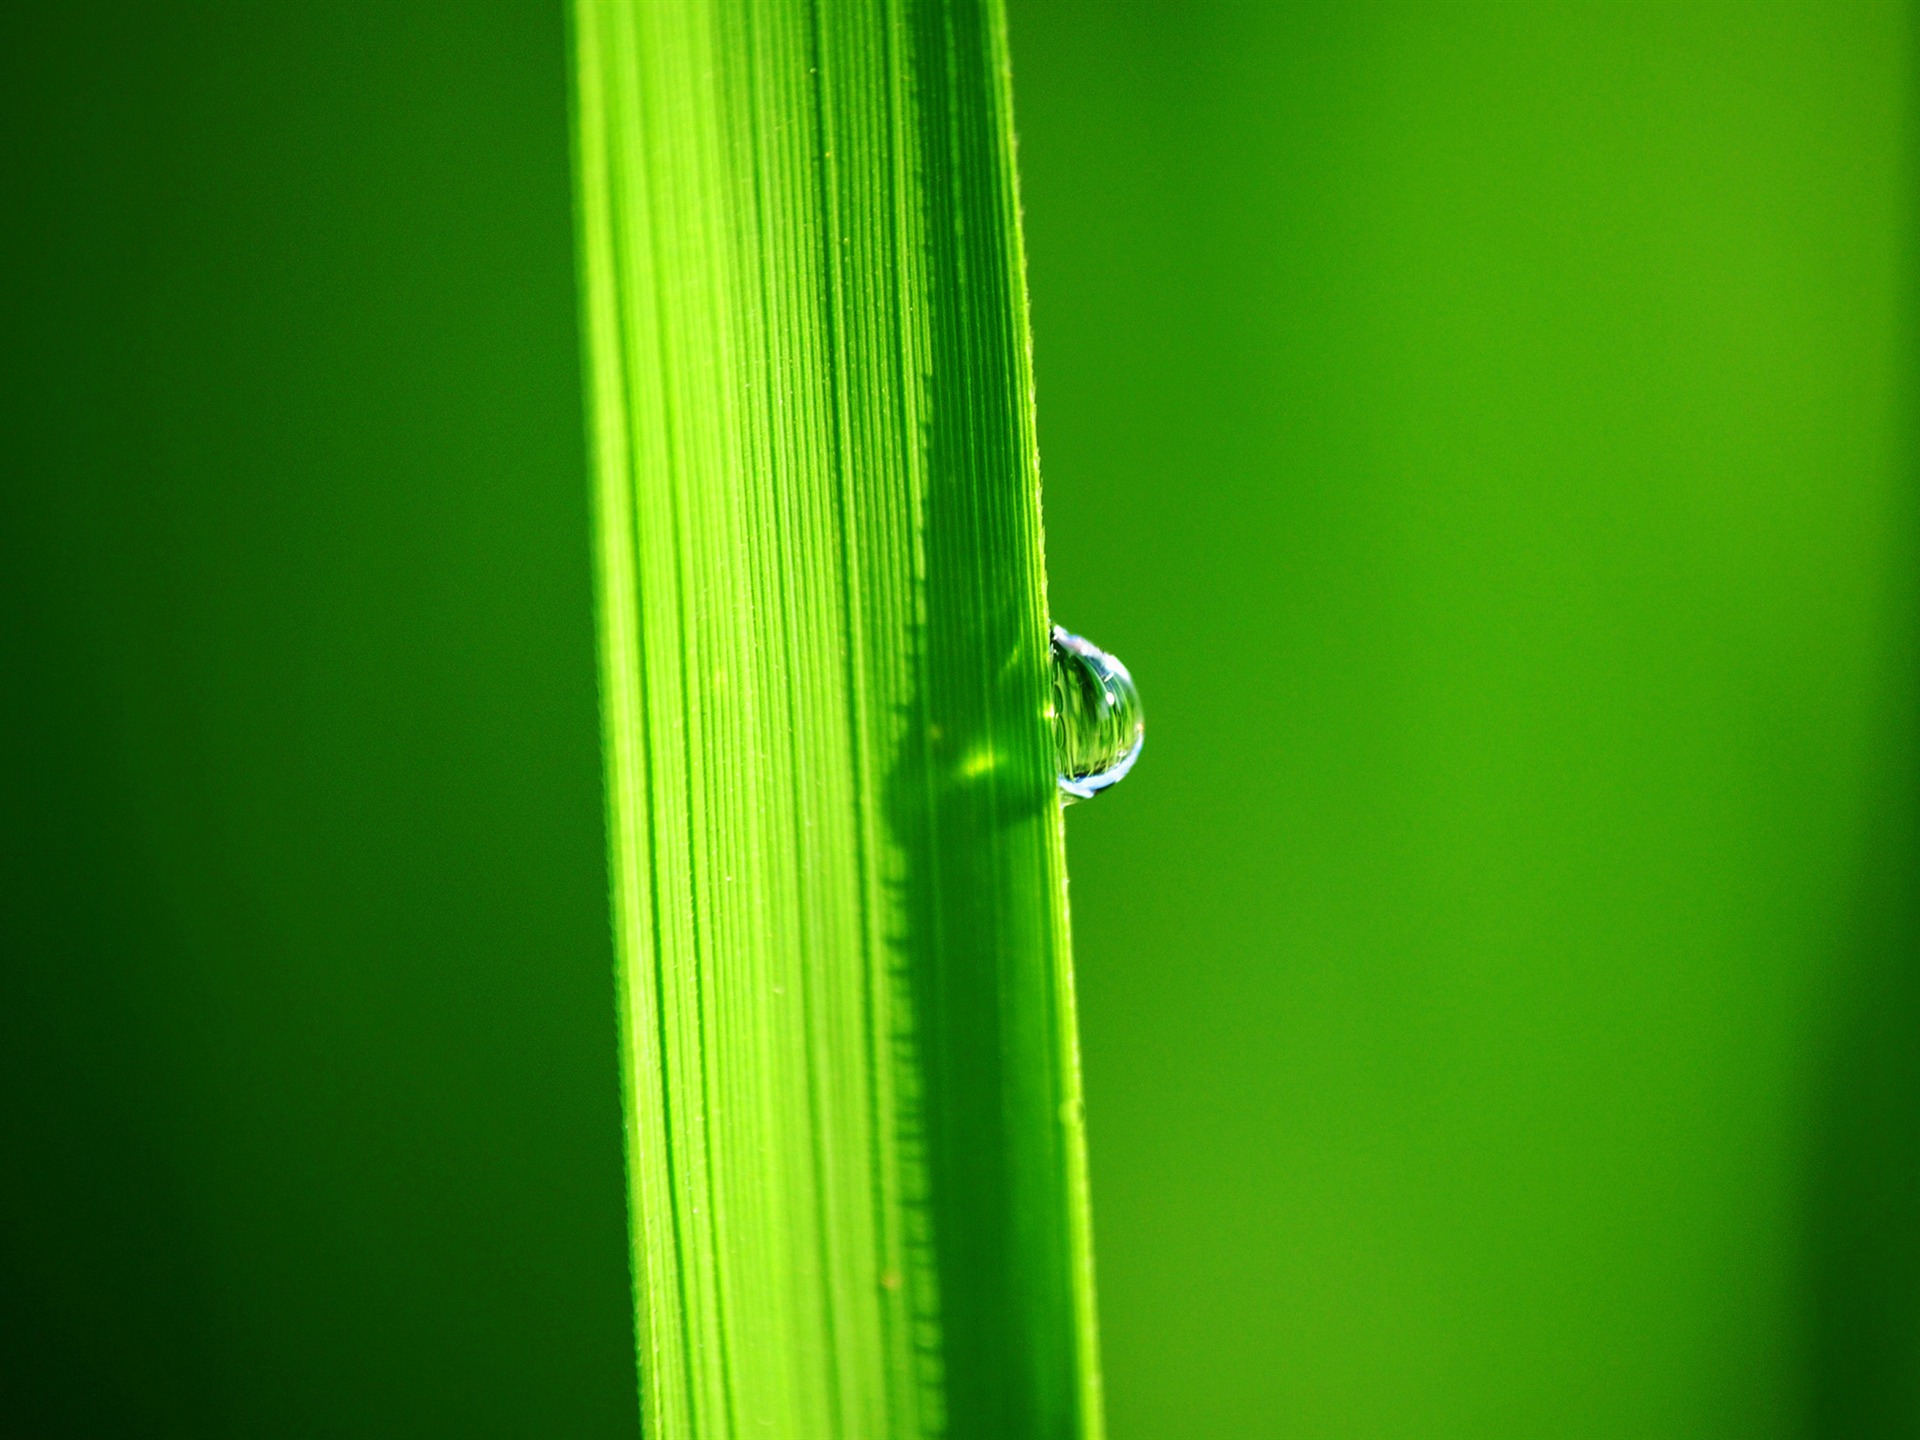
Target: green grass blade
854,1136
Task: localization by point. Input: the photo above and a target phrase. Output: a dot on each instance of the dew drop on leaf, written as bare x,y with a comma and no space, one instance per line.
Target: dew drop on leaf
1098,726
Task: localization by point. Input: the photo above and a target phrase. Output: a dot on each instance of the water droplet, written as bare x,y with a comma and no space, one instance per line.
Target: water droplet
1098,726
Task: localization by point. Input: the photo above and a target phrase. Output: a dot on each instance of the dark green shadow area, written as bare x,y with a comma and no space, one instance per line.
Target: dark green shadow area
1864,1179
308,1090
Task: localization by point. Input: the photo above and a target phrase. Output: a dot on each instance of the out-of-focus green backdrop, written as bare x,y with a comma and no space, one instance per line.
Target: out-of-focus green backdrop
309,1109
1486,430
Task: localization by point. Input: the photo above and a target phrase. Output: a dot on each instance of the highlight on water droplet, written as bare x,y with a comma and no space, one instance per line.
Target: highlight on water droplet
1098,725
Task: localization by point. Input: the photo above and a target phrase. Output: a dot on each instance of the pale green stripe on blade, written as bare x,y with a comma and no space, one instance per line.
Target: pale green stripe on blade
852,1094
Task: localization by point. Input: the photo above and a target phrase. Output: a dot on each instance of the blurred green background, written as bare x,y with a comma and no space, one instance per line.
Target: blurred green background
310,1103
1486,429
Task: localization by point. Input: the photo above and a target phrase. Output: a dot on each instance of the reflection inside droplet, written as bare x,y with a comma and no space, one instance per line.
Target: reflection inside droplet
1098,726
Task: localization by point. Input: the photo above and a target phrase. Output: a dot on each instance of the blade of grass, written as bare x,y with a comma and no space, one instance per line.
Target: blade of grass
857,1171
